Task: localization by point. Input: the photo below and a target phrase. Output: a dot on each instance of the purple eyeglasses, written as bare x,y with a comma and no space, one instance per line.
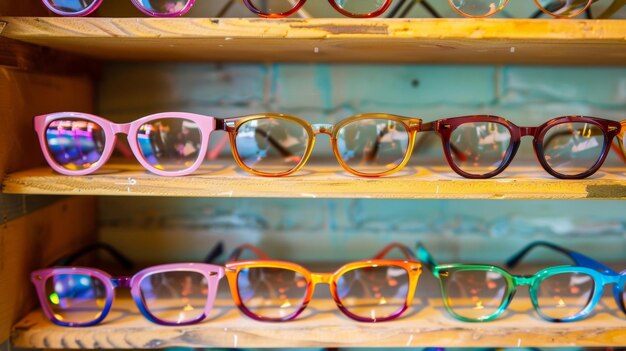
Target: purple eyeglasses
169,294
167,144
156,8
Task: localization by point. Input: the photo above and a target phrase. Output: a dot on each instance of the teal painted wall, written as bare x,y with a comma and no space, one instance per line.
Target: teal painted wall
353,229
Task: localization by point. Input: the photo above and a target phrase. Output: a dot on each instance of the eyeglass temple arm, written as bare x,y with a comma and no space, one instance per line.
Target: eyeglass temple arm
239,251
578,258
118,256
425,257
215,253
222,125
432,127
406,252
409,7
615,6
554,6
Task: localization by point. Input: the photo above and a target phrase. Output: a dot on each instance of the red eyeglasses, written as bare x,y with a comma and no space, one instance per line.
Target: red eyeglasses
570,147
348,8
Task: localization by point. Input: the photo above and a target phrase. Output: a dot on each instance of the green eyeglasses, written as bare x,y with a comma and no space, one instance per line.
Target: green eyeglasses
481,293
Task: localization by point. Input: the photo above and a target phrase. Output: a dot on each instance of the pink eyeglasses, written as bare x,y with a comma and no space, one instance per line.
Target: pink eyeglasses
167,144
157,8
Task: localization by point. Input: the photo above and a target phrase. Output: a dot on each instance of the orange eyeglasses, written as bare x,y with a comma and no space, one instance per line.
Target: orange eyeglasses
367,291
275,144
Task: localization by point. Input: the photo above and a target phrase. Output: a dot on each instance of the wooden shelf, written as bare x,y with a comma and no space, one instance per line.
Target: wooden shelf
228,180
467,41
323,325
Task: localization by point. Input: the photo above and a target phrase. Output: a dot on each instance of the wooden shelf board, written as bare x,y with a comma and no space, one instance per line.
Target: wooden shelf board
227,180
322,325
469,41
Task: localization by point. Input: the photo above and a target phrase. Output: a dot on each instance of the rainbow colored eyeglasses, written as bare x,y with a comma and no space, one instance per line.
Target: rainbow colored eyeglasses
374,290
169,294
481,293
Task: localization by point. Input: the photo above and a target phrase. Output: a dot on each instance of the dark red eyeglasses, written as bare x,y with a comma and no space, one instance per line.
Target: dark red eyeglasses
348,8
570,147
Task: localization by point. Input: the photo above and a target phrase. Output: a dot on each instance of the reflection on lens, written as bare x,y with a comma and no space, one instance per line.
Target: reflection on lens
175,297
564,8
478,8
75,144
373,146
360,7
274,7
271,145
564,295
165,7
273,293
70,6
573,148
75,298
374,292
480,147
474,294
170,144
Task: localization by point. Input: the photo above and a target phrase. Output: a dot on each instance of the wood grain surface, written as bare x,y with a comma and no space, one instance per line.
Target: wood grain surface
517,41
227,180
322,325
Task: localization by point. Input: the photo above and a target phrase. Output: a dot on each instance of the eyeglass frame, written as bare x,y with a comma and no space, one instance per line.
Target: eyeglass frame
235,266
212,273
445,127
206,125
597,271
96,4
231,126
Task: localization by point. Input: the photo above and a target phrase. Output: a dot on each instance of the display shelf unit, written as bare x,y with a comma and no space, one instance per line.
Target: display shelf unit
77,46
329,181
510,41
323,325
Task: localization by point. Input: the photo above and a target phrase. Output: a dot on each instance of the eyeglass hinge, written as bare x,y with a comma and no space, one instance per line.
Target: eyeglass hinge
2,26
612,128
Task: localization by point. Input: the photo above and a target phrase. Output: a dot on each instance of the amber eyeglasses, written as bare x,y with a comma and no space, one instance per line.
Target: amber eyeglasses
275,144
373,290
569,147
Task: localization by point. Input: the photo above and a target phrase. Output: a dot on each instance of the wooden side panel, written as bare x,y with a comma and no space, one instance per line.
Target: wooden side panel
34,241
22,8
34,238
24,95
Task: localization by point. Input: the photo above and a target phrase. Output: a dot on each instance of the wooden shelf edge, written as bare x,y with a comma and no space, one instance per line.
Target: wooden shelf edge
427,327
323,182
469,41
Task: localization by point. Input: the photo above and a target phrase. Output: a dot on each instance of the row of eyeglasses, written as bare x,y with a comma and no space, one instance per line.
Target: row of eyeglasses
375,290
348,8
367,145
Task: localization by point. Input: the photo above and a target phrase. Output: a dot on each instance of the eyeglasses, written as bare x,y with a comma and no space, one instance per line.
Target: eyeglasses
571,147
348,8
168,144
554,8
169,294
480,293
367,291
157,8
367,145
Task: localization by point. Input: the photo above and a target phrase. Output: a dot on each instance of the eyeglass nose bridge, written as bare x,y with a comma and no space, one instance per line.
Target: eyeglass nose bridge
121,282
323,128
528,131
523,280
120,128
321,278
